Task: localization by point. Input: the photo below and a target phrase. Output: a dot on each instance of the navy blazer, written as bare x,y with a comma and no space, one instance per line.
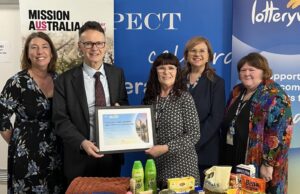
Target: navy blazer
70,112
209,97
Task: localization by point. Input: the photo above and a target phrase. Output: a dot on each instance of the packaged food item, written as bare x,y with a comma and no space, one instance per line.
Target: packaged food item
132,185
181,185
217,179
234,191
248,170
235,181
167,191
253,185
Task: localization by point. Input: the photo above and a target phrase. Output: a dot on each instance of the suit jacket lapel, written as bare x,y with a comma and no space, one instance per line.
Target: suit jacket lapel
111,84
78,86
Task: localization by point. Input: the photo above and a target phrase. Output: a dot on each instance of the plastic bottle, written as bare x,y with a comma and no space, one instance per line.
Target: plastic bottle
150,176
138,175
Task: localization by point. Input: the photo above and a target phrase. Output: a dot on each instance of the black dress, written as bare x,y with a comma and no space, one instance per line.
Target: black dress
34,162
235,154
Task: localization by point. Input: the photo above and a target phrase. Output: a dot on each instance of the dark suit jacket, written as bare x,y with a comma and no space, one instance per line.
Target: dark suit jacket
209,97
70,112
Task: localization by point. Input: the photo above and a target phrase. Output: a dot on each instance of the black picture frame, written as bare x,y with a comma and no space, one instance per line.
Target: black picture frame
122,129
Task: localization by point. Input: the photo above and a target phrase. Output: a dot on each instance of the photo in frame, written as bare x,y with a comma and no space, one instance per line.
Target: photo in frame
122,129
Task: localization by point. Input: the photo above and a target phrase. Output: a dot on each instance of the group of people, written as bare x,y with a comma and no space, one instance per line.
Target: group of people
54,126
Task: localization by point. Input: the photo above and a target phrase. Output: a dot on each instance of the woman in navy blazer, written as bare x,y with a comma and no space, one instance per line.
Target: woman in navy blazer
208,91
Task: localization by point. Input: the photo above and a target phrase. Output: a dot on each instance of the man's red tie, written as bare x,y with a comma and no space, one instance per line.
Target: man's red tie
99,91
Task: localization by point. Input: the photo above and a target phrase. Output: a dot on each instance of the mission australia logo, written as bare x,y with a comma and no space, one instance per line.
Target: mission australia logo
51,20
276,11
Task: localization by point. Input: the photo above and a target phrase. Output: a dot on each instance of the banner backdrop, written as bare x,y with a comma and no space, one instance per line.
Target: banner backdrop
145,29
272,28
61,21
142,30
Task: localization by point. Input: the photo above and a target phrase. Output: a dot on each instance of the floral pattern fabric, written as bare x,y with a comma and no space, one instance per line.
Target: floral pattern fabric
34,162
270,131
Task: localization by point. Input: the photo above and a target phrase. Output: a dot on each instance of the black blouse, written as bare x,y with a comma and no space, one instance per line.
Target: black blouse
235,154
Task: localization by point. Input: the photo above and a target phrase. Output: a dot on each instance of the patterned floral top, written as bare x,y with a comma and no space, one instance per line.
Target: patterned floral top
270,131
34,163
178,127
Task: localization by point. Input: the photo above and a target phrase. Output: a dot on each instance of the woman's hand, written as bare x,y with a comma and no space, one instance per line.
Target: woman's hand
266,172
157,150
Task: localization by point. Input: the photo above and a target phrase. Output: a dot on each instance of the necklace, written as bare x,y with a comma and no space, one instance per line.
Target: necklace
192,86
159,109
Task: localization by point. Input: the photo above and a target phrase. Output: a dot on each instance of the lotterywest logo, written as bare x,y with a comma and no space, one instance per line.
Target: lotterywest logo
150,21
51,20
269,13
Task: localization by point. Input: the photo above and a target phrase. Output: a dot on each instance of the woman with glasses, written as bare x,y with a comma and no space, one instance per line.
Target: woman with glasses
208,92
176,121
257,127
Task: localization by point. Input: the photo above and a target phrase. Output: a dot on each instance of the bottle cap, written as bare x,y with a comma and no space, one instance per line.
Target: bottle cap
150,161
137,164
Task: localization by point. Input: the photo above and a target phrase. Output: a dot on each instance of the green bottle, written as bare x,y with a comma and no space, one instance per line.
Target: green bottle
150,176
138,175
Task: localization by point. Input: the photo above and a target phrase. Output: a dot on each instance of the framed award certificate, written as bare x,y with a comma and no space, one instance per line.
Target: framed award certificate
124,128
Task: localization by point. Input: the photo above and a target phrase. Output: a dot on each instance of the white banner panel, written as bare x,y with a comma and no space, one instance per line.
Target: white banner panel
62,20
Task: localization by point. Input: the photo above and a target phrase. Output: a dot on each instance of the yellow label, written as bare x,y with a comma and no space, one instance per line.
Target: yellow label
180,185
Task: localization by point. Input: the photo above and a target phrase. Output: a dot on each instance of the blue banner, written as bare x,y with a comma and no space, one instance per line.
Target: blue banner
144,29
272,28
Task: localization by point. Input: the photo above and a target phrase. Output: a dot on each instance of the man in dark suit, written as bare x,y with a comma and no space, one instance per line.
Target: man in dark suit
74,107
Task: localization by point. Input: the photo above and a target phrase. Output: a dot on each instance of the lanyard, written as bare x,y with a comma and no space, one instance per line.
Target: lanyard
237,112
159,110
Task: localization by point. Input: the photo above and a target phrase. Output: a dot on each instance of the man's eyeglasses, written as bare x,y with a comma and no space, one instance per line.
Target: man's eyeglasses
201,51
89,44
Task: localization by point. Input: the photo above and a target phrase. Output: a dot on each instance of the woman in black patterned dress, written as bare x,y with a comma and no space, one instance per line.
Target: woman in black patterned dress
34,163
176,119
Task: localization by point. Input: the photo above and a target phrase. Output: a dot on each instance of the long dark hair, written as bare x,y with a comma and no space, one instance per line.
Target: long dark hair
153,88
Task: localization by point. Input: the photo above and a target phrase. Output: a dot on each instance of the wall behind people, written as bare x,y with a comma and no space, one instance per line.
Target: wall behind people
10,48
261,26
